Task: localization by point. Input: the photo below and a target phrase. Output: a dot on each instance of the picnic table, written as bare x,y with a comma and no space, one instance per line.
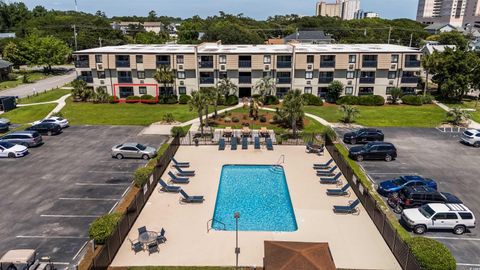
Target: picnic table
147,237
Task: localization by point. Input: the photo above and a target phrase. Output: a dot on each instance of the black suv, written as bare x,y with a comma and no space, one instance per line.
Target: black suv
46,128
363,135
373,150
410,197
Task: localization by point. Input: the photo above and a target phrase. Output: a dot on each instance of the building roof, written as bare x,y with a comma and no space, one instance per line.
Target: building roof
431,48
152,24
438,26
308,35
5,64
7,35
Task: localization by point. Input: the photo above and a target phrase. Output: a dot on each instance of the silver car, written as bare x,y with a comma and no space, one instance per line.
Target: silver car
133,150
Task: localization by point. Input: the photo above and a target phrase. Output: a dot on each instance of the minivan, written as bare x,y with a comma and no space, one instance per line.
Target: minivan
26,138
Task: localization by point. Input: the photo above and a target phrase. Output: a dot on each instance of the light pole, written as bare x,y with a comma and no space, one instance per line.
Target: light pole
236,215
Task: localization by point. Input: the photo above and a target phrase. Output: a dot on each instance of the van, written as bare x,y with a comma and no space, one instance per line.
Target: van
26,138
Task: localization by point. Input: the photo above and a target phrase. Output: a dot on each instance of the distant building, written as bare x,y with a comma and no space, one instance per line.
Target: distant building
458,13
155,27
7,35
309,37
344,9
438,28
432,47
5,69
366,14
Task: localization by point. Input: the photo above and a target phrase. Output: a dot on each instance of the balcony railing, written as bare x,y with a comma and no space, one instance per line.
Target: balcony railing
123,63
412,64
87,79
205,64
284,64
82,64
207,80
163,63
327,64
245,79
369,63
409,79
244,64
125,79
325,80
367,80
284,80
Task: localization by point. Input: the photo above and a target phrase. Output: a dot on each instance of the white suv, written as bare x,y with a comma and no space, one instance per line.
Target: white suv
439,216
471,137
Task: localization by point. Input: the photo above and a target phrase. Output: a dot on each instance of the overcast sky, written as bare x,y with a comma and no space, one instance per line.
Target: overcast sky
259,9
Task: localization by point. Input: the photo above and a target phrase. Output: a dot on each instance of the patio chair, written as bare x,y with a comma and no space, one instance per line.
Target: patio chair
246,132
191,199
269,144
181,164
178,180
349,209
264,132
221,144
339,192
331,180
244,143
317,149
152,248
142,229
257,143
181,172
233,143
168,188
161,237
136,246
327,172
325,165
227,132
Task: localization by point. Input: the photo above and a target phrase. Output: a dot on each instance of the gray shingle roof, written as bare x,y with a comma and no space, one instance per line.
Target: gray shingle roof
5,64
308,35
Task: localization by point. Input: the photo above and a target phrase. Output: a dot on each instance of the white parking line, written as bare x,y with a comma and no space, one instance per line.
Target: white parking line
80,250
51,237
468,264
87,199
113,207
101,184
71,216
125,192
454,238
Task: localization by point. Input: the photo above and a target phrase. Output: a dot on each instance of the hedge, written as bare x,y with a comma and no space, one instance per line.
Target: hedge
141,175
184,99
271,100
312,100
112,100
178,131
370,100
168,99
149,99
412,100
102,227
431,254
132,99
231,100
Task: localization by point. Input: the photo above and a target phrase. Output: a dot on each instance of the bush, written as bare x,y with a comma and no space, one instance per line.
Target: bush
427,99
329,132
227,119
235,120
168,117
184,99
178,131
371,100
102,227
141,176
149,99
262,119
431,254
231,100
132,99
412,100
256,96
168,99
312,100
112,100
271,100
348,100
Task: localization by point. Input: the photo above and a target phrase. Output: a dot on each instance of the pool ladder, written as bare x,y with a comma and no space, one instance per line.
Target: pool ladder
281,160
210,224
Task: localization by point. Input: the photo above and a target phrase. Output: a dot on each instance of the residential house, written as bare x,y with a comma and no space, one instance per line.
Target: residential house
5,69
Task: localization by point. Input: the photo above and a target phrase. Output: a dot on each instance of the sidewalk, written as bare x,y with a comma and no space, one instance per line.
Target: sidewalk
473,124
61,102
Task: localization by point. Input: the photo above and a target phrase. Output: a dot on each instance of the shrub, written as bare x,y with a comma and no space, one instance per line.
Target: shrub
178,131
132,99
347,100
184,99
231,100
428,99
112,100
141,176
235,120
271,100
431,254
168,99
262,119
103,227
329,132
412,100
168,117
149,99
312,100
395,94
371,100
334,91
227,119
256,96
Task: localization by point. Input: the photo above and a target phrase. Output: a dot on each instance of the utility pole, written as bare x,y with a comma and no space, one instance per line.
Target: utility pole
75,29
100,41
411,39
389,34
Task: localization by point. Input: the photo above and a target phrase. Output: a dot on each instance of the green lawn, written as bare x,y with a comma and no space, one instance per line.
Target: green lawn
24,115
32,77
81,113
45,96
387,115
468,104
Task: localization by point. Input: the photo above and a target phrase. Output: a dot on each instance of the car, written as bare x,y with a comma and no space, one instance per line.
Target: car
395,185
133,150
27,138
373,150
4,128
363,135
4,121
11,150
46,128
471,137
443,216
412,197
54,119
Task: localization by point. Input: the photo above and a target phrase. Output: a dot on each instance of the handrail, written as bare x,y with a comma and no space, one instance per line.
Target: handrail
209,228
282,158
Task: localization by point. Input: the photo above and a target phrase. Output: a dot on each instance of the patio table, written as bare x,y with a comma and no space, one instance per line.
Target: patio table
147,237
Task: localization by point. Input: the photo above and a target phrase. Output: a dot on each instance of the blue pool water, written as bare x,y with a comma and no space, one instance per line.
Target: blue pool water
259,193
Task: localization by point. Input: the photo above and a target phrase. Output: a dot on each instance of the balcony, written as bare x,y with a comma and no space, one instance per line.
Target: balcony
245,79
412,63
163,63
284,80
284,64
327,64
207,80
205,64
87,79
367,80
369,64
82,64
124,79
244,64
325,80
409,79
123,63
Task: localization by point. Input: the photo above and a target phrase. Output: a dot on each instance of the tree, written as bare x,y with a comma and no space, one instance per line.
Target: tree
335,89
453,38
428,64
458,116
101,95
13,53
293,108
349,113
265,86
165,76
395,94
197,103
226,87
210,97
216,96
152,16
45,51
255,105
39,11
150,38
80,91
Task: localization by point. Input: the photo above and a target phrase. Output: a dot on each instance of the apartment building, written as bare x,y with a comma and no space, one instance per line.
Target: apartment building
452,12
344,9
364,69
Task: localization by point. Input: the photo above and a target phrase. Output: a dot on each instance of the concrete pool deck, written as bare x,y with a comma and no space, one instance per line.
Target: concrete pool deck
354,240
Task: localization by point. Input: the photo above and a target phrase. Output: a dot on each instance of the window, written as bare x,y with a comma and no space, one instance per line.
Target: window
350,74
451,216
466,215
394,58
98,58
267,59
181,74
180,59
128,148
310,59
139,59
142,90
101,74
267,74
392,74
141,75
307,90
222,59
309,75
182,90
348,90
352,59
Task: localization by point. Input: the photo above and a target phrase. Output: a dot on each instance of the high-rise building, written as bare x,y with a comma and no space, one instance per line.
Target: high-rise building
344,9
444,11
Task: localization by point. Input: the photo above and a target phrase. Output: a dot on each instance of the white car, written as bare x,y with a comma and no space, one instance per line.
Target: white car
11,150
54,119
471,137
4,121
456,217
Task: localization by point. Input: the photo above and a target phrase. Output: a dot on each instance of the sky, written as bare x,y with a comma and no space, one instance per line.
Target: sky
258,9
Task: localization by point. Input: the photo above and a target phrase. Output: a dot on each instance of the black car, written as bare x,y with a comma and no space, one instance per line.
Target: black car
373,150
410,197
363,135
46,128
3,128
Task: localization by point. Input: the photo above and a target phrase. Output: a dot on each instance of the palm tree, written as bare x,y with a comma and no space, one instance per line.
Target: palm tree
165,76
101,95
197,103
209,96
349,113
255,105
458,116
226,87
265,86
293,103
216,95
428,64
395,93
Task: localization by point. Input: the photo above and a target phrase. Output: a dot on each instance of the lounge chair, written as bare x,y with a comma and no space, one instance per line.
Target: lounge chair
221,144
191,199
264,132
246,132
329,172
152,248
339,192
168,188
317,149
269,144
180,164
350,209
141,230
331,180
323,165
181,172
244,143
178,180
233,143
161,237
257,143
136,246
227,132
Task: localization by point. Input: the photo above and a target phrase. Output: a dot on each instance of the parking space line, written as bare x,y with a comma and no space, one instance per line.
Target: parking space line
101,184
80,250
468,264
125,192
454,238
87,199
51,237
71,216
113,207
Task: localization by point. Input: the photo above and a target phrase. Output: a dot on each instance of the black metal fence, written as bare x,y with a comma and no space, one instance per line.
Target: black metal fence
399,248
107,252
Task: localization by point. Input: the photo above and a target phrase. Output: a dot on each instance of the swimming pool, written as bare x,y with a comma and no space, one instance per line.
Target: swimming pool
260,193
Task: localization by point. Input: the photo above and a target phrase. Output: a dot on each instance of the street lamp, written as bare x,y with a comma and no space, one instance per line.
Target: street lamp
236,215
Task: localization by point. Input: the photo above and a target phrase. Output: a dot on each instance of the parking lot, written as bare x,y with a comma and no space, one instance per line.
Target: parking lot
50,197
455,167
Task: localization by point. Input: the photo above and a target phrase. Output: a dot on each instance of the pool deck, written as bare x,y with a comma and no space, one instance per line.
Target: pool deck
354,240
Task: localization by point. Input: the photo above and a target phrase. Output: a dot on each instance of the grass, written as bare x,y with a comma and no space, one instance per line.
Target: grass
468,104
32,77
51,95
25,115
386,116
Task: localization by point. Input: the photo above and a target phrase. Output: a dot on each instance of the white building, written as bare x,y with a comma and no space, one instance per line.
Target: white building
366,14
455,12
344,9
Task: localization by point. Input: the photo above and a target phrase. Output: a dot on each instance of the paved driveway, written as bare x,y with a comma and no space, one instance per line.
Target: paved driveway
50,197
434,154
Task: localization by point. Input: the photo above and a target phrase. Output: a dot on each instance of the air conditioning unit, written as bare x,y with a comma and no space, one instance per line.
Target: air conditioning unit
390,82
267,67
222,67
180,66
393,66
142,81
309,82
351,66
102,81
182,83
349,83
100,66
309,67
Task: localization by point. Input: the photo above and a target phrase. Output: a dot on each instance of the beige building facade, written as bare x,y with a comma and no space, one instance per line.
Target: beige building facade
344,9
459,13
364,69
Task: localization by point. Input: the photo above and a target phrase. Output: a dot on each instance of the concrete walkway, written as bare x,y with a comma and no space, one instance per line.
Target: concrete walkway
316,118
61,102
473,124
